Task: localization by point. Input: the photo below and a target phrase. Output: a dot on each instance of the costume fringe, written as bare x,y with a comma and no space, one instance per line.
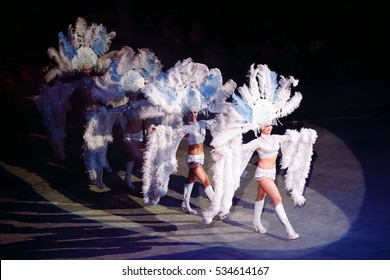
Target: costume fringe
159,163
53,103
297,157
97,135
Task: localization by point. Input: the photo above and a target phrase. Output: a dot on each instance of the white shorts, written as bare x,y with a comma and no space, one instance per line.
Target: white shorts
194,160
262,173
137,137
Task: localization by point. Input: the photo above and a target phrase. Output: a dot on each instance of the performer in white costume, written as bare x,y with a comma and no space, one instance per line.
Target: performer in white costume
262,102
187,89
128,73
84,49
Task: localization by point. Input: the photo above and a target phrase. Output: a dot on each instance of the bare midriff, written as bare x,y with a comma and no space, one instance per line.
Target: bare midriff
195,149
134,126
267,163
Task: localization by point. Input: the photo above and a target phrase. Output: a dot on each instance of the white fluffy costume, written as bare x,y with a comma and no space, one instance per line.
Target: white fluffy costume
127,73
184,86
262,101
85,46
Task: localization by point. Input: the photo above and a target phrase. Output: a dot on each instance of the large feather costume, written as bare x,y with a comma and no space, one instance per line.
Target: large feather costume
97,136
184,86
85,46
111,89
263,100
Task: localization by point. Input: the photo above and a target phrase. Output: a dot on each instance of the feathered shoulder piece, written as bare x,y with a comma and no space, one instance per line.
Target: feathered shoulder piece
265,98
190,85
85,46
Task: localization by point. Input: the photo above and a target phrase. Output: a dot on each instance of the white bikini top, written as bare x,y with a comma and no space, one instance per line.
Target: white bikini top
269,145
196,132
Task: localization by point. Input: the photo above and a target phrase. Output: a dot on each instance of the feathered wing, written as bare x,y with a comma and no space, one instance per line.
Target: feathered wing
297,158
97,136
159,163
53,103
226,130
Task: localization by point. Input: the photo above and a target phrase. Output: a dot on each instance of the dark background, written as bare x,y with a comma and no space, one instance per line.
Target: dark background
338,50
227,36
345,87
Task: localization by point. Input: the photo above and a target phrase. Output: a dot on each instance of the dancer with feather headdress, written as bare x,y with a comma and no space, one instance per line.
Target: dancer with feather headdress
128,74
186,89
261,104
84,49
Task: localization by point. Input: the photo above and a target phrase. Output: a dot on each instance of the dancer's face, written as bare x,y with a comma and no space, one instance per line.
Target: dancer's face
192,116
266,129
86,71
133,96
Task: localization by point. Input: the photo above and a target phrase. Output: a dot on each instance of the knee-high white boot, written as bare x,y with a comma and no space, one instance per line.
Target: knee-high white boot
209,192
98,181
129,171
107,166
210,195
185,206
279,209
257,217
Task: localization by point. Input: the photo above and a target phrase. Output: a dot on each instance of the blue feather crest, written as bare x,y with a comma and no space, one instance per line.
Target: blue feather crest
209,87
165,91
149,69
242,108
99,43
274,80
114,67
68,48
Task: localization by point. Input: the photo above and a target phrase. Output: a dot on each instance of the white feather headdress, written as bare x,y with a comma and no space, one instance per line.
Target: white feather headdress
128,72
265,98
190,85
85,46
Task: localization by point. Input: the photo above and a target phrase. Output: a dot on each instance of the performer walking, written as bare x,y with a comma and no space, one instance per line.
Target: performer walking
262,102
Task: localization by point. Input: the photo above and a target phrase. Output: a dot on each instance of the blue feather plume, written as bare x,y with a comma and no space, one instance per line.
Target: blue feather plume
115,75
68,48
99,42
242,108
209,87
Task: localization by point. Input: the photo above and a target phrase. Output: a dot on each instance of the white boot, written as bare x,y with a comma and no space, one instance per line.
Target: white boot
209,192
129,171
257,217
279,209
210,195
185,206
107,166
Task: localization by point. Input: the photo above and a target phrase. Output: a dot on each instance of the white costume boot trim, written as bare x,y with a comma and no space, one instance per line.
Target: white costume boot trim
129,171
185,206
279,209
259,205
209,192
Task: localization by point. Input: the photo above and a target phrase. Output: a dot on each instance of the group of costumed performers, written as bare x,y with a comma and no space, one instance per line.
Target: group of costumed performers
180,93
260,105
108,95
